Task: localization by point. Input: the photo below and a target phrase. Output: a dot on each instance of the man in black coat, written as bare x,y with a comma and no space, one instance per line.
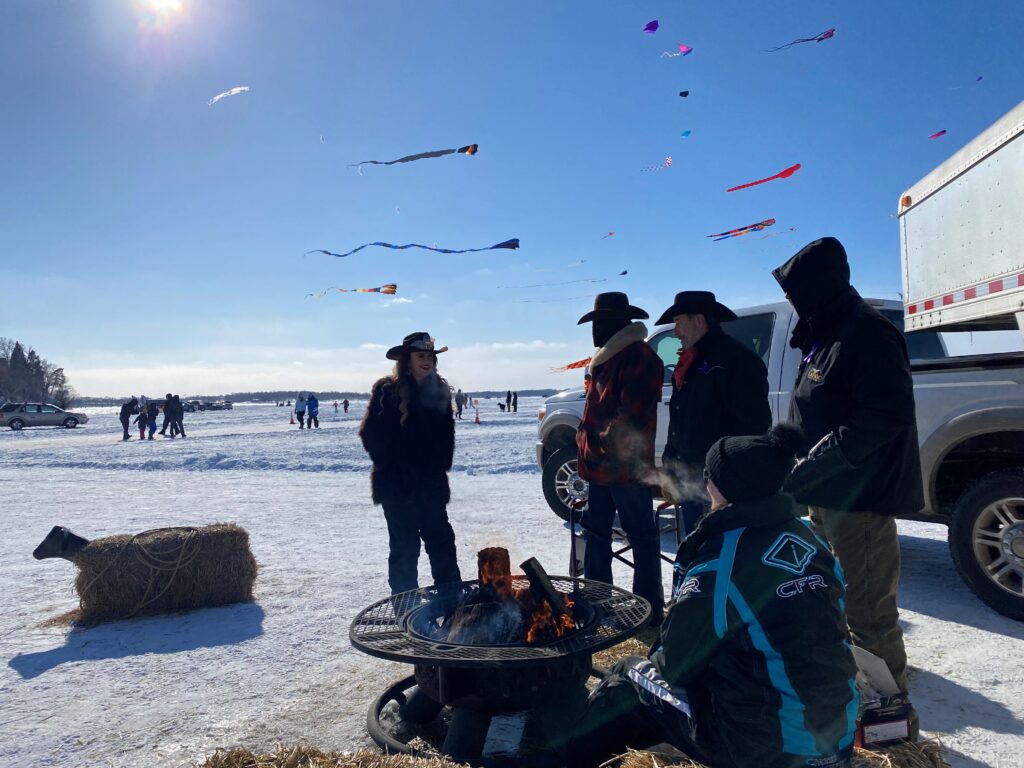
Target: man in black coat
127,409
719,388
854,400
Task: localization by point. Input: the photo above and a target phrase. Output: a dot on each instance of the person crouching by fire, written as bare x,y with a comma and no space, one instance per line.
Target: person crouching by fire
409,434
753,668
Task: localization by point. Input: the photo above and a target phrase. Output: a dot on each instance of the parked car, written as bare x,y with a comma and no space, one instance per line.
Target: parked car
20,415
217,405
970,423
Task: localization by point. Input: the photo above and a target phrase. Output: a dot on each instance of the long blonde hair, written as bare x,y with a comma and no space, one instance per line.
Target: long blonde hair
405,383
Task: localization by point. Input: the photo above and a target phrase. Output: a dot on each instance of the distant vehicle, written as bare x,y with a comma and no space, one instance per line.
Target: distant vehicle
20,415
217,405
190,406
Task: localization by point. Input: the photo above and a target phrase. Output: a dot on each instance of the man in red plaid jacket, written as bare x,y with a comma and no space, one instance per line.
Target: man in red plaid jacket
616,445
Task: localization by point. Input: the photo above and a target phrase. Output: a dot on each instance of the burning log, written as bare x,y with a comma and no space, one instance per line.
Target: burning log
541,587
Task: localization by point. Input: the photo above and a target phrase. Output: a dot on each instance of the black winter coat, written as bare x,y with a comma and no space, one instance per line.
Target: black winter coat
410,461
757,637
725,393
854,387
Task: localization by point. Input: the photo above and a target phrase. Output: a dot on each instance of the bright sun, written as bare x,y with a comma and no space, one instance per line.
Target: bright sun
164,6
157,15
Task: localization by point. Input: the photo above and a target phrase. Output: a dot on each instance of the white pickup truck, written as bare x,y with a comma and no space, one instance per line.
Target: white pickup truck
970,421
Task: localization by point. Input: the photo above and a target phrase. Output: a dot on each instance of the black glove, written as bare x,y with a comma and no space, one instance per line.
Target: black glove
825,461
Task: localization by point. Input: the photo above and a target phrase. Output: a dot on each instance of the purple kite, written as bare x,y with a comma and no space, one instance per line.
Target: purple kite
652,27
938,134
826,35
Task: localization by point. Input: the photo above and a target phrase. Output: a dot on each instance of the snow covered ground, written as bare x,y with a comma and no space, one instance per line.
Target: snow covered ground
167,691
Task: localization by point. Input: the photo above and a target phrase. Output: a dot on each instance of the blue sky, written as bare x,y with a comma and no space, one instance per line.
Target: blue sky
155,242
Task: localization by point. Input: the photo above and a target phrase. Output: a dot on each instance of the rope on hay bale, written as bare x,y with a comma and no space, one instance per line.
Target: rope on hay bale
308,757
162,571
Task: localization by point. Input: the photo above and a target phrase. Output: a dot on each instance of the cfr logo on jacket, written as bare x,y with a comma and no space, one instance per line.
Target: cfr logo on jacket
797,586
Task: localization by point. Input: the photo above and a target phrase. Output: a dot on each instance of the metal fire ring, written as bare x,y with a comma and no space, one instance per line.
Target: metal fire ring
380,630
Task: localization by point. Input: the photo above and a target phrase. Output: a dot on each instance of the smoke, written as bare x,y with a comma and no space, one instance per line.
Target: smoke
632,451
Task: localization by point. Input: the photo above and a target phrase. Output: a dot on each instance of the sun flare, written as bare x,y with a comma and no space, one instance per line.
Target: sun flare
159,14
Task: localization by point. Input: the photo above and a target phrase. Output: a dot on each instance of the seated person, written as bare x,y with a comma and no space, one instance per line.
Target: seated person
753,668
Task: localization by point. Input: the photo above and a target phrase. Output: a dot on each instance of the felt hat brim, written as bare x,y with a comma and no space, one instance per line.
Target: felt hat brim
396,352
618,313
718,311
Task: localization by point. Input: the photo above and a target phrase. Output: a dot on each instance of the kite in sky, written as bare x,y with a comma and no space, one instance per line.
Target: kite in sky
388,289
686,134
826,35
322,139
667,163
684,50
684,94
743,230
938,134
567,282
610,234
512,245
652,27
470,150
572,366
780,175
233,92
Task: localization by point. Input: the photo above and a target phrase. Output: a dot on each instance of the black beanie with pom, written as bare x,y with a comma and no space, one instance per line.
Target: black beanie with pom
750,467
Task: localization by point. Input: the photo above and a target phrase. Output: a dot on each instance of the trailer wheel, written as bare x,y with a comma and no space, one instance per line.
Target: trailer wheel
986,539
561,481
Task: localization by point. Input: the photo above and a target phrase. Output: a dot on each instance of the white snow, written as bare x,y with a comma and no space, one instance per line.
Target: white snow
167,691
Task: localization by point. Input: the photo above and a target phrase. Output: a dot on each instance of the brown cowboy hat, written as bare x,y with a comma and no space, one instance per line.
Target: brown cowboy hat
697,303
612,306
420,341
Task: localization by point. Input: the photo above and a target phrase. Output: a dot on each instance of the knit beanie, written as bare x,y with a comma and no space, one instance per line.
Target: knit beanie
750,467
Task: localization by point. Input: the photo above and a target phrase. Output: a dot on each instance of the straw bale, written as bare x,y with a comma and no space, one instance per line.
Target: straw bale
308,757
631,647
162,571
922,754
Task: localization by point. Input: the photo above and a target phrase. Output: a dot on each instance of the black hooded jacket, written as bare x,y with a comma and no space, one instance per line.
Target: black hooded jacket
853,390
724,393
410,461
757,637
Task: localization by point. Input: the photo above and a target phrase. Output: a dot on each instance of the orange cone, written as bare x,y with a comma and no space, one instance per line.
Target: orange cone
291,418
476,407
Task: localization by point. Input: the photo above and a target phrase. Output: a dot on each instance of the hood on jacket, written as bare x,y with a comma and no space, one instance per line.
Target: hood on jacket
631,333
817,275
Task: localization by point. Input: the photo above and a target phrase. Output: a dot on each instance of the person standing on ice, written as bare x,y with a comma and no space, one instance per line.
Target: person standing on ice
515,402
460,403
168,415
616,445
335,406
508,401
854,400
153,411
142,420
125,416
313,411
409,433
300,410
344,404
753,668
178,425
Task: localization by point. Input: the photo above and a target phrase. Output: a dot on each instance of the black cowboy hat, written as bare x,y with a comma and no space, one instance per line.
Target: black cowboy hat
697,303
420,341
613,306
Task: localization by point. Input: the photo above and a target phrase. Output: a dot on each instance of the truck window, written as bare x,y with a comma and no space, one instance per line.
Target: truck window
921,345
754,332
666,345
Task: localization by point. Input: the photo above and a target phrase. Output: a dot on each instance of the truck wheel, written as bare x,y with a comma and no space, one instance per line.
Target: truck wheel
561,481
986,539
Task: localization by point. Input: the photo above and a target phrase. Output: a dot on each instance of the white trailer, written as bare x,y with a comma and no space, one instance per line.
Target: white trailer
962,236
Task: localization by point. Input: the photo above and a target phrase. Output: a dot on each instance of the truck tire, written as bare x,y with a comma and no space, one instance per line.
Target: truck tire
561,481
986,539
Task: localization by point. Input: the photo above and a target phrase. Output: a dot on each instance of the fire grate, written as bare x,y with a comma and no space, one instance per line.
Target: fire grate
383,629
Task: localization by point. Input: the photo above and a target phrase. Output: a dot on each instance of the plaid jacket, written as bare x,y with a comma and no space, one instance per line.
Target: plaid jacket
616,435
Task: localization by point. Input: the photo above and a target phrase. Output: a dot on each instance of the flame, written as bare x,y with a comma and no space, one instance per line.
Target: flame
543,623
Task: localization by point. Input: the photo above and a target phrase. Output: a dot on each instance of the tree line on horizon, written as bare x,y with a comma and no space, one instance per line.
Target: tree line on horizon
290,394
27,377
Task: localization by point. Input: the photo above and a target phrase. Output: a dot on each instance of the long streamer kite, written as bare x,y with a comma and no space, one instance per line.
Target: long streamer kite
572,366
826,35
233,92
938,134
610,234
780,175
566,282
684,50
666,163
742,230
388,289
511,245
468,150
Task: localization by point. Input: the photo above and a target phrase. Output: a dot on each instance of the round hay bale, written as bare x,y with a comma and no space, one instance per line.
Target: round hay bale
308,757
163,571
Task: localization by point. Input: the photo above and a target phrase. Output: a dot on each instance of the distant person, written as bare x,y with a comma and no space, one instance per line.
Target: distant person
127,409
153,410
143,421
344,404
409,433
312,411
289,404
515,402
335,406
168,415
508,401
460,403
178,425
300,410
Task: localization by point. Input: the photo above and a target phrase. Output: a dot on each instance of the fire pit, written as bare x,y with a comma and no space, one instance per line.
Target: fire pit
496,645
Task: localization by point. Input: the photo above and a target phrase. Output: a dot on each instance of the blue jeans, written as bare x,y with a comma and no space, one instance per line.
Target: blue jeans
635,505
408,522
